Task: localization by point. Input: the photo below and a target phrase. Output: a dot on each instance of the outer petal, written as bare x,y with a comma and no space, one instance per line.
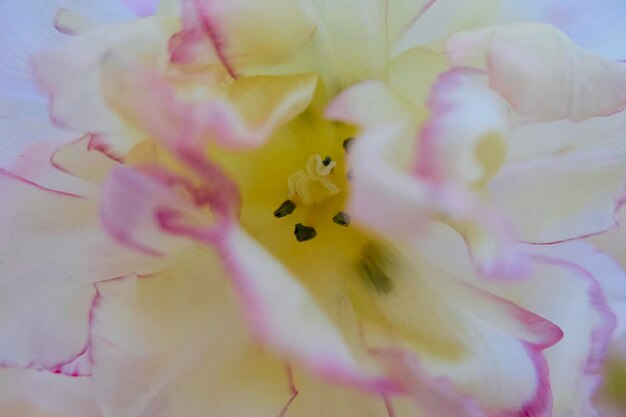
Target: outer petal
542,74
558,198
49,261
175,344
26,393
441,18
26,28
71,75
562,289
596,26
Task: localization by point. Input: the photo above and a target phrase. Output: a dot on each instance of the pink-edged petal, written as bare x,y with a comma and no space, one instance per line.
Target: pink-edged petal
463,139
568,271
27,28
53,252
562,197
71,75
175,344
278,322
27,393
472,343
246,114
71,168
243,32
532,66
562,289
596,26
35,164
135,205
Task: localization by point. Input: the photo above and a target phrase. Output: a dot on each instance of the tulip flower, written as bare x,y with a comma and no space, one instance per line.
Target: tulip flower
294,207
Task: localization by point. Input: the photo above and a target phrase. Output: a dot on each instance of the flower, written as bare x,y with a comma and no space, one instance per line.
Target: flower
311,208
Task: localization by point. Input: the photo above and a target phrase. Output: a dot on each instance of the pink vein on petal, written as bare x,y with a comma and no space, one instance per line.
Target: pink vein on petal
209,28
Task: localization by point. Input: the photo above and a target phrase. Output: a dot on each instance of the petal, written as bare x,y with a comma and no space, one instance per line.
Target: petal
257,277
50,259
586,319
192,355
142,7
485,346
26,28
541,73
244,32
595,26
442,18
243,117
562,289
27,393
369,104
71,74
563,197
318,398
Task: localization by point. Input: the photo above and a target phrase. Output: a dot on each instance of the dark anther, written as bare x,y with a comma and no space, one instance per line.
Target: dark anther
349,175
347,143
326,161
285,209
342,219
304,233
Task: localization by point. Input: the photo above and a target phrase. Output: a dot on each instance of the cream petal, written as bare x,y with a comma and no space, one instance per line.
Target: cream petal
556,198
71,75
565,286
596,26
27,393
531,66
175,344
241,118
485,346
442,18
53,252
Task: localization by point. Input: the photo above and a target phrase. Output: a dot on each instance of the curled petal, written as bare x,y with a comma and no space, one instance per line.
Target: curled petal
541,73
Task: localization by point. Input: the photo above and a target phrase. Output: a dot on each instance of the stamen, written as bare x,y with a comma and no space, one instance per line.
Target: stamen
342,219
285,209
313,185
304,233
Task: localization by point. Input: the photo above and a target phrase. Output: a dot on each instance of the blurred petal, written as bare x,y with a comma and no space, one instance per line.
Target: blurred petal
532,67
442,18
596,26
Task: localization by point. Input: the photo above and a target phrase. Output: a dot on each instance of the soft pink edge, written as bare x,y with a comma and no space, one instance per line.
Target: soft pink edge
601,334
